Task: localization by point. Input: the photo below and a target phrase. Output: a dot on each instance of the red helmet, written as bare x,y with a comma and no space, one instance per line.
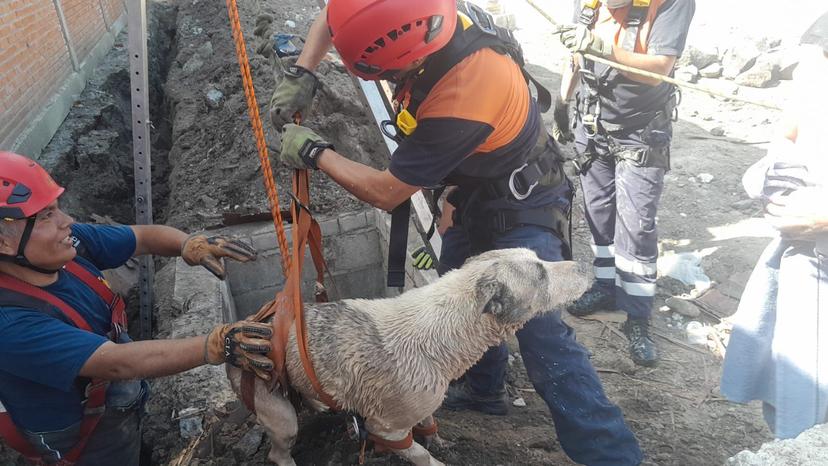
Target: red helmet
25,187
377,38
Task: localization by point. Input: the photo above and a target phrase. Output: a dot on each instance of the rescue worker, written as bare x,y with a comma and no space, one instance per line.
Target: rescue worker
70,377
467,120
622,134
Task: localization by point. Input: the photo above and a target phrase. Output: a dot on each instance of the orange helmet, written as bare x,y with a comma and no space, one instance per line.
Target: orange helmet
378,38
25,187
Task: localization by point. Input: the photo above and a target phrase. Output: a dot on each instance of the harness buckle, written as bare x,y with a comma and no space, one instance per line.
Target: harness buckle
513,188
590,124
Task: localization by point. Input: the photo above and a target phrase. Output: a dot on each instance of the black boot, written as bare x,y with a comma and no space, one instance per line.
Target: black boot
642,348
460,396
597,298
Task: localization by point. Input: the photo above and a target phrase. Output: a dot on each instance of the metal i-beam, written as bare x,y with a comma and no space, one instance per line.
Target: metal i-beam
139,86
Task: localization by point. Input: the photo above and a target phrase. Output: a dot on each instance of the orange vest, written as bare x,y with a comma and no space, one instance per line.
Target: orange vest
610,25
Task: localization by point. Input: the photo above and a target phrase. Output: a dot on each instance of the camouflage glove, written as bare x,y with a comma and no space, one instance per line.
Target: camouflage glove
561,129
200,249
301,147
293,95
581,40
243,344
422,259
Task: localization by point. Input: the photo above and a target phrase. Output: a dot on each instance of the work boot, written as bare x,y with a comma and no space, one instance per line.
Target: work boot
597,298
642,348
460,397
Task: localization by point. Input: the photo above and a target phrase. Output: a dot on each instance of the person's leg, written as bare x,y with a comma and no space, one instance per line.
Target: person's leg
598,186
484,382
591,429
636,249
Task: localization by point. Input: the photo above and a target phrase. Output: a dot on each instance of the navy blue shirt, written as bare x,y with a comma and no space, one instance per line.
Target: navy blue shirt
40,356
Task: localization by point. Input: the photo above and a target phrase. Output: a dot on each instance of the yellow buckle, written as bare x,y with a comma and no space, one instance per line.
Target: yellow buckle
406,122
591,4
641,3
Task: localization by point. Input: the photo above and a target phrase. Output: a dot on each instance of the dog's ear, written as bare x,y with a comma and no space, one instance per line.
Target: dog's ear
496,297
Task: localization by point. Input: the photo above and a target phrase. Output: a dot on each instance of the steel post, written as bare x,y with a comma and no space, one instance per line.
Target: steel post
139,85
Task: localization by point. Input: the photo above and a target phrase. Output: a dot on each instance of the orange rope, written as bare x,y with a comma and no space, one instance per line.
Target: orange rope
258,132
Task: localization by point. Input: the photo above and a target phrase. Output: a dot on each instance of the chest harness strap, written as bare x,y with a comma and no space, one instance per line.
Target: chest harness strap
475,31
17,293
598,86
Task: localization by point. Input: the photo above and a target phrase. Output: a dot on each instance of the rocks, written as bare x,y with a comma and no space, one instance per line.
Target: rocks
717,131
811,447
714,70
519,402
290,24
705,177
682,306
214,98
687,73
698,56
249,444
763,73
739,59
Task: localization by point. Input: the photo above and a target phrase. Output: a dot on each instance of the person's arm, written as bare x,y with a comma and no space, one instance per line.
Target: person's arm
659,64
243,344
144,359
569,78
159,240
381,189
317,44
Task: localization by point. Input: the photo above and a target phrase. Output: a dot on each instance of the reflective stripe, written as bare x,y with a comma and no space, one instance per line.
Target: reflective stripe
2,408
644,269
636,289
604,251
604,273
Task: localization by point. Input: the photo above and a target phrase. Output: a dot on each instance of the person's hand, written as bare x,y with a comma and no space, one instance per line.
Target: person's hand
581,40
243,344
293,95
301,146
802,214
561,129
422,259
200,249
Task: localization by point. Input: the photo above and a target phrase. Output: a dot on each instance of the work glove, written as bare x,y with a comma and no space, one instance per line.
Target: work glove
581,40
561,129
243,344
200,249
422,259
301,147
293,95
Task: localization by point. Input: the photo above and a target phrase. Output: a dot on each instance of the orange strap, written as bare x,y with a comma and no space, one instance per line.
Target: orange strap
303,227
258,132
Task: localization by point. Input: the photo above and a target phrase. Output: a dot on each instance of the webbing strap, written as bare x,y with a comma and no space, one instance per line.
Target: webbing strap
95,391
398,244
635,19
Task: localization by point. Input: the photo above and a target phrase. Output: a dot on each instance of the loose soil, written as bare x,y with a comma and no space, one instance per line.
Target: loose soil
206,165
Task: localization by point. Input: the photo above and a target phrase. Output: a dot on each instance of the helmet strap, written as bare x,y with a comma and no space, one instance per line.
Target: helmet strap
20,259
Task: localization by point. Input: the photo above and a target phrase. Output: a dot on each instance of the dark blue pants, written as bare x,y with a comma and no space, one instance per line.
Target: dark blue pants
590,428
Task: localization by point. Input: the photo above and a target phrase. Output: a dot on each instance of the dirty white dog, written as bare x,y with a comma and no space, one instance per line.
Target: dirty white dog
391,360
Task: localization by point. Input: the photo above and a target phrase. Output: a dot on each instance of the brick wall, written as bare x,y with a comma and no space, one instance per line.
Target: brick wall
34,55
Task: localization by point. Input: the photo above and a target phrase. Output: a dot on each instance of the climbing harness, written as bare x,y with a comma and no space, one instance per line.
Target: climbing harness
17,293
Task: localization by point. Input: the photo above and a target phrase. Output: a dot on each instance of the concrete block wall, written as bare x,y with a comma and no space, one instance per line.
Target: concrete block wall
353,250
47,49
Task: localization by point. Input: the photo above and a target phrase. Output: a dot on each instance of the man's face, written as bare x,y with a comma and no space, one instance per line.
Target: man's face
50,244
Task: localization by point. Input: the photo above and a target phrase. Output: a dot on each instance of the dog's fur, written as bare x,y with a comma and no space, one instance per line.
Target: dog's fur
391,360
